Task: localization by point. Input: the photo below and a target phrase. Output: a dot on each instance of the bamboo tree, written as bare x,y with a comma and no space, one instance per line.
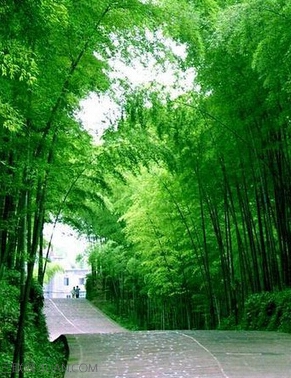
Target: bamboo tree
46,67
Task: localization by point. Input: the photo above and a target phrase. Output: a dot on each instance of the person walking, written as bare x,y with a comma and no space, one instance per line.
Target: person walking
77,291
73,292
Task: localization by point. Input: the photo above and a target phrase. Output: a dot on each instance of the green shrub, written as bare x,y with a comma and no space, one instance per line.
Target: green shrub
9,310
41,356
228,324
268,311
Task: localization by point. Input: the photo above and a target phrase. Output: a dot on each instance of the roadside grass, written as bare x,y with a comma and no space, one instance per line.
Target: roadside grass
267,311
110,310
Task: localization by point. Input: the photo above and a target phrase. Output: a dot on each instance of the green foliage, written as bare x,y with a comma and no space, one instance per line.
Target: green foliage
192,203
39,351
188,200
51,56
199,185
9,308
110,309
268,311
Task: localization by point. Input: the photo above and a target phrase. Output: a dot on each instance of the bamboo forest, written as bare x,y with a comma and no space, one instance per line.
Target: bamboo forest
185,199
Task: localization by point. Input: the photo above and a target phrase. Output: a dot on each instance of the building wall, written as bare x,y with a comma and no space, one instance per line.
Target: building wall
61,285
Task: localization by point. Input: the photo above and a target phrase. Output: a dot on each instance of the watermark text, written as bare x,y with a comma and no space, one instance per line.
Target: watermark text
44,368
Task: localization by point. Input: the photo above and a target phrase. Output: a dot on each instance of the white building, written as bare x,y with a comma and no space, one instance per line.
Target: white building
62,283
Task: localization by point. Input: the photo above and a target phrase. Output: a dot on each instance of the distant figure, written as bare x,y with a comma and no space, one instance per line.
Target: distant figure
77,291
73,292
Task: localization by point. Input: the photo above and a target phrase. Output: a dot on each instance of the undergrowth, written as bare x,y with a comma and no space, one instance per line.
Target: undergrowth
267,311
110,310
42,358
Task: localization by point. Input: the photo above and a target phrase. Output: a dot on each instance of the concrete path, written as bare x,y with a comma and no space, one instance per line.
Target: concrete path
101,348
76,316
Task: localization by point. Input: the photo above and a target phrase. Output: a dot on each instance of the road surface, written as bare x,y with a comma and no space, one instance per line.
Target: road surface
101,348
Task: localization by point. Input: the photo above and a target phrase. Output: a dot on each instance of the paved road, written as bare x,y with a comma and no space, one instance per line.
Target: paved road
101,348
76,316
